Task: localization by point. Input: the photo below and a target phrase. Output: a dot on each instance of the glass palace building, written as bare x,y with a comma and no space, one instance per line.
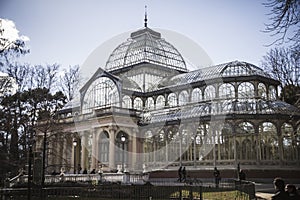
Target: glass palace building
144,110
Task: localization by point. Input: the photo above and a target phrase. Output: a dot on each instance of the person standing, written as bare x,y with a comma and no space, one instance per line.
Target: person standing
217,177
242,175
280,194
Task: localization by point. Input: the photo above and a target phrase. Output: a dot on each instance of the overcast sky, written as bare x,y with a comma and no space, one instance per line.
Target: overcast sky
68,31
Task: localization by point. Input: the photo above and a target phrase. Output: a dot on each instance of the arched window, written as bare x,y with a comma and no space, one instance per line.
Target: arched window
244,135
103,92
245,128
287,140
150,103
272,93
119,148
246,90
138,103
172,100
183,98
104,147
226,91
269,145
204,142
126,102
160,102
262,91
149,147
209,93
196,95
226,142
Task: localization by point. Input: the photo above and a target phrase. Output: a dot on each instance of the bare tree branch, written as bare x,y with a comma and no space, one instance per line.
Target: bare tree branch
284,17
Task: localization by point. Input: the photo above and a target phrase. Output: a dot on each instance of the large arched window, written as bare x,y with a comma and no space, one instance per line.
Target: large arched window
287,133
269,145
246,150
183,98
103,147
209,93
226,91
246,90
119,148
196,95
160,102
262,91
204,142
127,102
172,100
102,92
226,142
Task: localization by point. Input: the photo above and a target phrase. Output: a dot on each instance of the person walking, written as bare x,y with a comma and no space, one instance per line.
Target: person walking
183,174
217,177
280,193
179,174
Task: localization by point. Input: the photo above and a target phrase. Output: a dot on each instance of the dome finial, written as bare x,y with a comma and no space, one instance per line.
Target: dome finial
145,20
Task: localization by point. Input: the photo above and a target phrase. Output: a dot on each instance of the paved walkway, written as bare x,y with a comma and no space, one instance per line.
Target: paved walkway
263,195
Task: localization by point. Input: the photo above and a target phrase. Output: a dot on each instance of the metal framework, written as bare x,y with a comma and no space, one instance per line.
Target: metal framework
224,114
145,45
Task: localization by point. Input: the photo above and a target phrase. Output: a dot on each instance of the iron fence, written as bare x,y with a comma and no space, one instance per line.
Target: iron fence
242,190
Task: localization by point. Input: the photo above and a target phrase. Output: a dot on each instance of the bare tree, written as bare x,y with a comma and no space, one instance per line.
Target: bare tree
20,73
285,18
44,76
7,85
69,81
284,65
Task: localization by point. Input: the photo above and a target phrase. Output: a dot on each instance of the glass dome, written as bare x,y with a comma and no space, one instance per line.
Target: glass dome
145,46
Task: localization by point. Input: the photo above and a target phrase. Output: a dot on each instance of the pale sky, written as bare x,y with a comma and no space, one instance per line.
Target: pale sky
68,31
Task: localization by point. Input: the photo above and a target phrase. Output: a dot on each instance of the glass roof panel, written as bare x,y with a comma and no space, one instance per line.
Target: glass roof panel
145,45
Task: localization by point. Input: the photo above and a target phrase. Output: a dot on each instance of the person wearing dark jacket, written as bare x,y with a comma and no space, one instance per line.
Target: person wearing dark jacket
292,192
242,175
280,193
183,174
217,177
180,174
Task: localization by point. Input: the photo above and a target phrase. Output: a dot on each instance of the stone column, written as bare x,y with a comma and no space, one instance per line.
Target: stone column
84,143
94,150
134,150
111,164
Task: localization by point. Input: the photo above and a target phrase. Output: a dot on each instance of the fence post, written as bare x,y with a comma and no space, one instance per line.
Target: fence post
180,192
200,192
191,193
